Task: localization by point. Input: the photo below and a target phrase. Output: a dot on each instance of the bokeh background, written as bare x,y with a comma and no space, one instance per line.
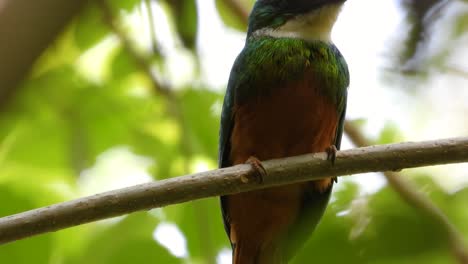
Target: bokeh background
131,91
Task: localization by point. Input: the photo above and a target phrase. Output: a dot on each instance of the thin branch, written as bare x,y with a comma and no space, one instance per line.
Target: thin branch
152,28
140,60
230,180
452,69
418,200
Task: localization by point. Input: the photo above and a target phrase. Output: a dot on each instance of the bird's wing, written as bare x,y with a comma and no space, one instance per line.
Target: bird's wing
340,126
227,124
342,99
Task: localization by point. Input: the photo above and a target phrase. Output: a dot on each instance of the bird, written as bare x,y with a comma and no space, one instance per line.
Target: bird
286,96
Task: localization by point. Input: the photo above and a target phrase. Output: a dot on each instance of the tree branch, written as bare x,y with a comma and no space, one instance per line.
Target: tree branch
418,200
230,180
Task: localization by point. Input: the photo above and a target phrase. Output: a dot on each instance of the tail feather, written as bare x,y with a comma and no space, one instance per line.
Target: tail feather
244,254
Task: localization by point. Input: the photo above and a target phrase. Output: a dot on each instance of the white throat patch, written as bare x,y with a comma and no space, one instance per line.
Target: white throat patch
313,26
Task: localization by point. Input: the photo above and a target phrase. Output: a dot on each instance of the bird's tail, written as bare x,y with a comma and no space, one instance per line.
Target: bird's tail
244,254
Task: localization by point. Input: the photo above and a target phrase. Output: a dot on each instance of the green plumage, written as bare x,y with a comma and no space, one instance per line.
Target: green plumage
266,61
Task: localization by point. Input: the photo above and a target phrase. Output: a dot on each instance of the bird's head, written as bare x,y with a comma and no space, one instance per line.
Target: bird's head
306,19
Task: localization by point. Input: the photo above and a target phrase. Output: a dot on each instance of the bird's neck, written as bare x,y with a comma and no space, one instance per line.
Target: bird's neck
314,26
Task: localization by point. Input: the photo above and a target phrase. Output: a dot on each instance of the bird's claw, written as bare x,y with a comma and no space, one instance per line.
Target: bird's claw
258,167
331,153
331,156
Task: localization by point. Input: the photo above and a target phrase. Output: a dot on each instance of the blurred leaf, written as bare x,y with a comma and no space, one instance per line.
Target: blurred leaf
200,119
41,145
455,207
151,143
461,25
122,65
390,134
90,28
126,5
201,222
417,13
229,17
185,16
128,241
347,192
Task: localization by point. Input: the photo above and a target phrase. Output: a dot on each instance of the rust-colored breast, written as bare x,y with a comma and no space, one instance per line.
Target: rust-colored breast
291,120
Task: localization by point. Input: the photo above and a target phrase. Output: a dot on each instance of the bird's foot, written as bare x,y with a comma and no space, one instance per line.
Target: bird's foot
331,153
257,165
331,156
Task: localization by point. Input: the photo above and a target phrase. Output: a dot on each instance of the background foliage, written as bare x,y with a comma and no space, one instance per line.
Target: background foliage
95,114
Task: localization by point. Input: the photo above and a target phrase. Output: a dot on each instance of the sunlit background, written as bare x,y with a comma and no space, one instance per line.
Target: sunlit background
90,118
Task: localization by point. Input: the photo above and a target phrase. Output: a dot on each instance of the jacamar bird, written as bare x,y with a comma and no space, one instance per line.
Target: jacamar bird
286,96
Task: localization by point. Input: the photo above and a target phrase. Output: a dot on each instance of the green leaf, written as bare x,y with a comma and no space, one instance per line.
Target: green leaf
201,121
201,222
41,139
390,134
126,5
90,28
460,26
122,65
128,241
185,16
455,206
231,18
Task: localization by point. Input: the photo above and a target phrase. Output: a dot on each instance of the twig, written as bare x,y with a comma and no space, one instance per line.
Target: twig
452,69
418,200
152,29
140,60
231,180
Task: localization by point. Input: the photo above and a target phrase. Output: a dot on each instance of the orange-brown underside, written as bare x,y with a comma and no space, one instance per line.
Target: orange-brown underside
290,121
